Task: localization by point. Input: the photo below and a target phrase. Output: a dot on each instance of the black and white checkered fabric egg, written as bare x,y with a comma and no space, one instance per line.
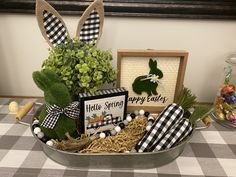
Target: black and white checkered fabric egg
168,117
176,134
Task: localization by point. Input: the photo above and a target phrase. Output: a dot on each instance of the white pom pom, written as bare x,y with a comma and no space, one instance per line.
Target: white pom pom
149,123
49,143
129,118
102,135
151,118
136,112
133,150
117,129
36,122
148,127
125,122
141,112
40,135
37,130
113,132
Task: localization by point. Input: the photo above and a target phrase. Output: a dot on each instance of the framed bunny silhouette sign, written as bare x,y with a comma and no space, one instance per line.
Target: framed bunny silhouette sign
154,78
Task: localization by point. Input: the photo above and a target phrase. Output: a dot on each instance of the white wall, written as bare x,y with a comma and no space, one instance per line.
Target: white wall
22,48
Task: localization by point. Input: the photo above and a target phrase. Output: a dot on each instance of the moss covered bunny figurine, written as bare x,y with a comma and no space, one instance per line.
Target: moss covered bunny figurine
59,115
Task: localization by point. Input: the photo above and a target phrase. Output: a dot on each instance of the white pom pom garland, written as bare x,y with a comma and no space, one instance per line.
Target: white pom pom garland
125,122
37,130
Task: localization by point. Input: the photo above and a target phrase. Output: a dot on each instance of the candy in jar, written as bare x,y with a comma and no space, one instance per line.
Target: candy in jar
225,103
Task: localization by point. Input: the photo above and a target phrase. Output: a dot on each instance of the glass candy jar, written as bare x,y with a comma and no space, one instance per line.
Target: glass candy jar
225,102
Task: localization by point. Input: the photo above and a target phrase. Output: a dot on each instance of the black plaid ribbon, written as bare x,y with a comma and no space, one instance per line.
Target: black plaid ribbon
54,112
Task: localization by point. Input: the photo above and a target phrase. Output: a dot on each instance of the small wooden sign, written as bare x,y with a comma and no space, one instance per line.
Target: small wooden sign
154,78
103,110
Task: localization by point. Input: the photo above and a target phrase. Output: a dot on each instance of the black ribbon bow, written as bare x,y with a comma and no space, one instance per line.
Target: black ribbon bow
54,112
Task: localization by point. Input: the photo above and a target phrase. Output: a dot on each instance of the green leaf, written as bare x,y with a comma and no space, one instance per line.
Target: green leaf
186,99
199,112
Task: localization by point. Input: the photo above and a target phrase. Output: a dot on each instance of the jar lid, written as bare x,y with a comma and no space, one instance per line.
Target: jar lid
231,60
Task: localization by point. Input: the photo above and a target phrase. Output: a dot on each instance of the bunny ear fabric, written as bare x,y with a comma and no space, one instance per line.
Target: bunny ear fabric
90,25
51,24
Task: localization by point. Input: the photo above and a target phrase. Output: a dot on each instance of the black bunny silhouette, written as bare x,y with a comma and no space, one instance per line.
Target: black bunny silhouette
148,83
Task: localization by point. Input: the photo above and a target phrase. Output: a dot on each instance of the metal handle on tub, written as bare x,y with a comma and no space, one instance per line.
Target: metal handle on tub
206,121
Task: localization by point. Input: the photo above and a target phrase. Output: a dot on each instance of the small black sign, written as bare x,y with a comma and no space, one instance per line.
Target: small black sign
101,111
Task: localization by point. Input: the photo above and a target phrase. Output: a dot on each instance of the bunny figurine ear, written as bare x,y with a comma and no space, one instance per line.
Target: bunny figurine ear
90,25
51,24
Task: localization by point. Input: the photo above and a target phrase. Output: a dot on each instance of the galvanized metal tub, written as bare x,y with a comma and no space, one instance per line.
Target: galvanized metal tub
114,160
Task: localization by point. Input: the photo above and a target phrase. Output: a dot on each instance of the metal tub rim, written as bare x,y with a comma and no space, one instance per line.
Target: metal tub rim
107,160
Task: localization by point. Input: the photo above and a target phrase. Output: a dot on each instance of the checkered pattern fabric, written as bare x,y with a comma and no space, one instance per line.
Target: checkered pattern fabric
54,112
210,153
90,29
55,30
114,120
168,117
103,92
175,135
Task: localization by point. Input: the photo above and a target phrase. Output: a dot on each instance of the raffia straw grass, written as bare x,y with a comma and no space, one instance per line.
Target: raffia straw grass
125,140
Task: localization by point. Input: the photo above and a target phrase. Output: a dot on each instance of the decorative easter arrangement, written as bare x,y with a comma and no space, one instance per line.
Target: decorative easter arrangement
225,103
79,117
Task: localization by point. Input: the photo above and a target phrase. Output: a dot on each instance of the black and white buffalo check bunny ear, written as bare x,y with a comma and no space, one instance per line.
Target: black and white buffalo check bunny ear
91,23
51,24
54,29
